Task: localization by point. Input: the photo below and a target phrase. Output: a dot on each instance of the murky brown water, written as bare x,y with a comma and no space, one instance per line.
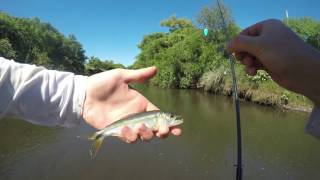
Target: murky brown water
274,146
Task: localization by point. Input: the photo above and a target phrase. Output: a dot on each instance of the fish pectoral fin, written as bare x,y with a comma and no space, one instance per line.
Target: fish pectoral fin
95,147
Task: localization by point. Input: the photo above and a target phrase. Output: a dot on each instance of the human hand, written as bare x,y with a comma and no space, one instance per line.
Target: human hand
272,46
108,98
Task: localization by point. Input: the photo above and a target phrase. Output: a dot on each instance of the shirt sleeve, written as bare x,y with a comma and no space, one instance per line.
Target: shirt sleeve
313,125
41,96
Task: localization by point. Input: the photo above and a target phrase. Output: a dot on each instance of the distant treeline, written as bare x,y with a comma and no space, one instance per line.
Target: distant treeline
187,59
31,41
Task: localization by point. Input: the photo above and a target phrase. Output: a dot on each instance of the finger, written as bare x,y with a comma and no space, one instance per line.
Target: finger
246,40
163,131
240,55
251,70
257,64
144,132
250,60
139,75
243,43
254,30
128,135
175,131
247,61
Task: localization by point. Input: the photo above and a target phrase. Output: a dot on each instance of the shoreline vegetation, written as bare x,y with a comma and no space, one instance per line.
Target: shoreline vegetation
185,58
266,93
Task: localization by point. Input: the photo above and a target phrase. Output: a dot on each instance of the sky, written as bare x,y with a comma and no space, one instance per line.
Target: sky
112,29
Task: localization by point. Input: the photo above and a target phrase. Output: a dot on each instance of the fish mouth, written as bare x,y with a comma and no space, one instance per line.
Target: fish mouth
178,120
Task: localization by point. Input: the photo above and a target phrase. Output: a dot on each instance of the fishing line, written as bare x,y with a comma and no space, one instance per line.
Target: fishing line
236,101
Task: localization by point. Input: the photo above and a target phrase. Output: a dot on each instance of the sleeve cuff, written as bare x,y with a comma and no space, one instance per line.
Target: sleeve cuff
313,125
79,94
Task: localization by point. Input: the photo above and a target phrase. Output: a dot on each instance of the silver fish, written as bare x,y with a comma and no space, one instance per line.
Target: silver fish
151,119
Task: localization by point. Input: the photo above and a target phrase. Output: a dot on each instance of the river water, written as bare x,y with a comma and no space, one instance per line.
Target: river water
275,145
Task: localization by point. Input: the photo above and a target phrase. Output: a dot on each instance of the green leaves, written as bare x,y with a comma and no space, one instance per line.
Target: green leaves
210,19
174,24
182,55
6,49
307,28
31,41
95,65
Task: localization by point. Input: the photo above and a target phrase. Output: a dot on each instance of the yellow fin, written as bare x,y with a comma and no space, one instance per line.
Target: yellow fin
96,146
93,136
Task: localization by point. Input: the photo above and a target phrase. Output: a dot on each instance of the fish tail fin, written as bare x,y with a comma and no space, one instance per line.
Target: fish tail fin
93,137
96,145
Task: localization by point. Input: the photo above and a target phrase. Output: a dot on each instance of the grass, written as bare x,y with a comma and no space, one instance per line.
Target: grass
259,89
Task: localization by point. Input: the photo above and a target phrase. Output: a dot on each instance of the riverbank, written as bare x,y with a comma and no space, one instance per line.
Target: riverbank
260,89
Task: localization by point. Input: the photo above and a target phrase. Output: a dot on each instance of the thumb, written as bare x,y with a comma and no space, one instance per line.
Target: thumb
243,43
139,75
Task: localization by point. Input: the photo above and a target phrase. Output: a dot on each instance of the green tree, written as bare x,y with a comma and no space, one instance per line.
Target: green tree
314,40
6,49
173,23
182,55
95,65
32,41
305,27
218,22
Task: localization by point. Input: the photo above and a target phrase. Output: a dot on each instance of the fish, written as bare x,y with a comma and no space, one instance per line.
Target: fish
151,119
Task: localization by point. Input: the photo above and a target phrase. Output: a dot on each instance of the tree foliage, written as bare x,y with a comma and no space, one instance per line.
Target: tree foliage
174,24
6,49
314,40
95,65
307,28
31,41
220,23
183,54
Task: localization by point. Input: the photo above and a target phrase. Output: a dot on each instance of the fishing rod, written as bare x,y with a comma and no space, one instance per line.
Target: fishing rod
236,101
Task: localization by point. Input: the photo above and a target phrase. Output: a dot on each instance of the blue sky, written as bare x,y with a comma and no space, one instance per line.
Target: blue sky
111,29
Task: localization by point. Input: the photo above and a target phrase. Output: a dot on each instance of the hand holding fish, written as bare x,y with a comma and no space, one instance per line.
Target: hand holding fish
109,98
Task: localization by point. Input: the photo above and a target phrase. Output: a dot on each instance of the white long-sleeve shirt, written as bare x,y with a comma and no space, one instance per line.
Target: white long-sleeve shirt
41,96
